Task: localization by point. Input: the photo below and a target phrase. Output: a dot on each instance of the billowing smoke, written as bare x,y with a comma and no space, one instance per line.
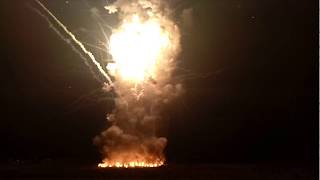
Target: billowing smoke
131,139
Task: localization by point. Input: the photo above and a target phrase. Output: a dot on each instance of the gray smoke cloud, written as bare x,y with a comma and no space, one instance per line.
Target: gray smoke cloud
132,134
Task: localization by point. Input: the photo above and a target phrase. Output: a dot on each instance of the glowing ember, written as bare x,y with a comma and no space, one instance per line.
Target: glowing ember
132,164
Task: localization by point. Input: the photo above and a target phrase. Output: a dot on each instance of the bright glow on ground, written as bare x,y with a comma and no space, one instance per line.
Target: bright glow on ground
129,165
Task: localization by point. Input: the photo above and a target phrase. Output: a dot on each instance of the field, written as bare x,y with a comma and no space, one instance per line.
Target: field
68,170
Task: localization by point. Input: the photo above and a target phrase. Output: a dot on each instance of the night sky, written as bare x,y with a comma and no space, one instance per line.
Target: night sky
252,98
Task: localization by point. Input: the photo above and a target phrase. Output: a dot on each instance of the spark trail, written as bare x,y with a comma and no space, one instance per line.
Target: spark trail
85,60
76,41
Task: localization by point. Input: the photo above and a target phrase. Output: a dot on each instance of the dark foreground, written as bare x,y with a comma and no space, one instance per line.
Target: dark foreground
54,170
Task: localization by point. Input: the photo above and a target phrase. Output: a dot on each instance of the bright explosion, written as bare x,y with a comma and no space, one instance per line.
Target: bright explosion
136,47
143,49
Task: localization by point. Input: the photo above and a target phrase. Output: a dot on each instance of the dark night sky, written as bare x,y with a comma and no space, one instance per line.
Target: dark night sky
260,105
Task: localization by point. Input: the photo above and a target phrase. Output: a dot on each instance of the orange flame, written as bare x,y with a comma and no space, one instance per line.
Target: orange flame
132,164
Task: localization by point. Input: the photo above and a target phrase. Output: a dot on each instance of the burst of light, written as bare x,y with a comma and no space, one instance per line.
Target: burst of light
136,47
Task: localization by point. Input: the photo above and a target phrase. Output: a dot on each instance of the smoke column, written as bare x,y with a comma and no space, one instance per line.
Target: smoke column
143,48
